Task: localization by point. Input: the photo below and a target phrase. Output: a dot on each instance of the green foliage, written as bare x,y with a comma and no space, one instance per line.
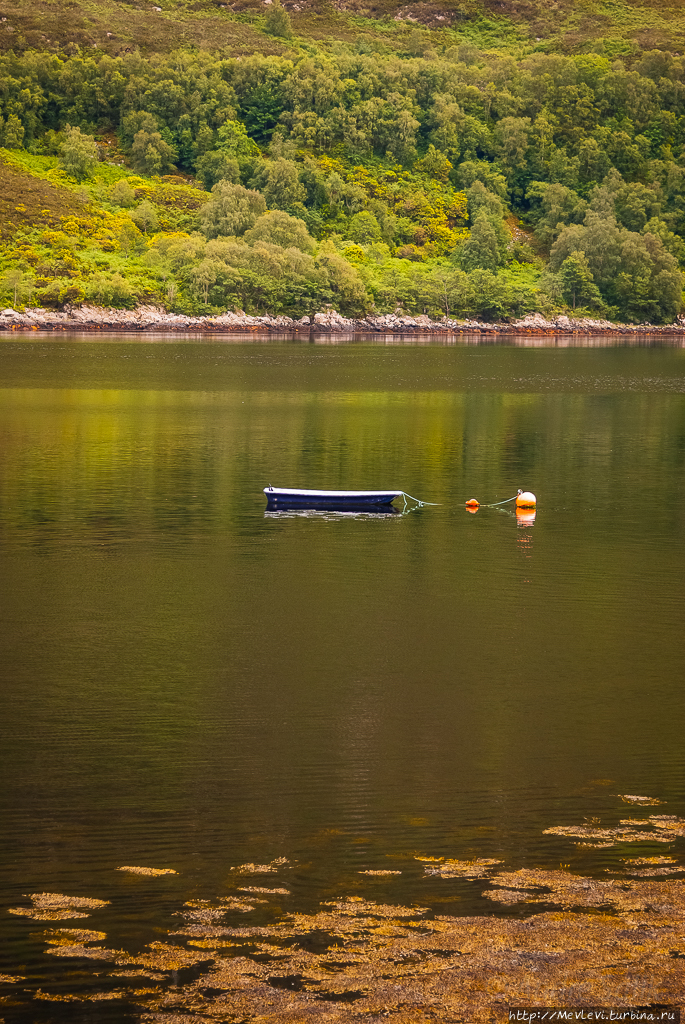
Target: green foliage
577,282
480,249
278,21
79,153
122,194
12,132
110,290
145,217
281,229
633,272
231,210
585,150
216,166
279,182
16,285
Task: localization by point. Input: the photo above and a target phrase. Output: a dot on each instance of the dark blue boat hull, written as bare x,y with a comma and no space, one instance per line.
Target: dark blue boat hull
378,502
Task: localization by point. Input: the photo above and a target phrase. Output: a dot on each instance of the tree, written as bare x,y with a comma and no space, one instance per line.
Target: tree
480,249
79,153
150,153
280,228
217,166
234,141
512,139
577,281
145,217
17,284
553,206
435,164
231,210
13,133
278,21
279,182
110,290
364,228
122,194
349,293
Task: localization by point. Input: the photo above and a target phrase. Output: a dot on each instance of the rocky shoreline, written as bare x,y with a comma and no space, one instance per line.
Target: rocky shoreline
152,319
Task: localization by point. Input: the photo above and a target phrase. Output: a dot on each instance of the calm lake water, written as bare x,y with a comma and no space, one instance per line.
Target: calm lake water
190,683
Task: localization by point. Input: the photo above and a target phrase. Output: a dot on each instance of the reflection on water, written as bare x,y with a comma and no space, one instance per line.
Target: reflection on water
332,515
191,683
460,339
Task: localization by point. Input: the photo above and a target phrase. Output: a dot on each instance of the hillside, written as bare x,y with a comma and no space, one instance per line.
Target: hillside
470,159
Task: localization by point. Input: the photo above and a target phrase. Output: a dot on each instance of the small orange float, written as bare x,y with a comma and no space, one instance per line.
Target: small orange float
473,503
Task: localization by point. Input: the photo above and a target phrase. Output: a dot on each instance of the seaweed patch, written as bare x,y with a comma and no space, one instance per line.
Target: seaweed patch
645,801
589,941
261,869
460,868
70,936
268,892
380,872
50,906
148,871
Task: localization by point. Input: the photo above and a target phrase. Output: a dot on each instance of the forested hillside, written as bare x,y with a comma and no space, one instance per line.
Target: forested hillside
442,159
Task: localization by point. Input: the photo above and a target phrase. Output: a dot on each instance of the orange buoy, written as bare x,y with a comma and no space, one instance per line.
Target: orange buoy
473,503
525,499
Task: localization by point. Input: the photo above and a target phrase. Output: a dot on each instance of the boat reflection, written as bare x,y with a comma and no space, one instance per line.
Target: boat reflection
389,512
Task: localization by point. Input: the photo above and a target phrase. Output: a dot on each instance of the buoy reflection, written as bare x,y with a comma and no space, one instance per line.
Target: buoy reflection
525,516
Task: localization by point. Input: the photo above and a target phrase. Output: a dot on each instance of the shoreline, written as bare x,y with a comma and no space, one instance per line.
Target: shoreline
153,319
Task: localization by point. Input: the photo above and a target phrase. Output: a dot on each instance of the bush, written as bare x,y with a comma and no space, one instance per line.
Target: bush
281,229
122,194
231,210
278,21
110,290
79,154
145,217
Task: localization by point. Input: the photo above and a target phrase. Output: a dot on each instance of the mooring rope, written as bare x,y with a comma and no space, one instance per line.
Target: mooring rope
496,503
419,503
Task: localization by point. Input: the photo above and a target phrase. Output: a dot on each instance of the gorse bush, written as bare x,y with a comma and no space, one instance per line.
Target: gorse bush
441,182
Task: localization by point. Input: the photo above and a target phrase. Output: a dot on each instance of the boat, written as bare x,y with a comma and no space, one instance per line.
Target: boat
286,498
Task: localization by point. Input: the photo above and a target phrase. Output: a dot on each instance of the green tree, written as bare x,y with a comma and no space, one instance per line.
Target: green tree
122,194
364,228
279,182
79,153
281,229
145,217
110,290
217,166
481,248
234,141
13,133
435,164
151,154
577,281
16,283
232,210
349,293
278,21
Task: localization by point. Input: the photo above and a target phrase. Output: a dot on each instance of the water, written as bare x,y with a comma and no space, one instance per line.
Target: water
190,683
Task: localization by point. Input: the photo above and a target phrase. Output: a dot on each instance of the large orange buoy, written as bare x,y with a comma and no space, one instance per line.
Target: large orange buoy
473,503
525,499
